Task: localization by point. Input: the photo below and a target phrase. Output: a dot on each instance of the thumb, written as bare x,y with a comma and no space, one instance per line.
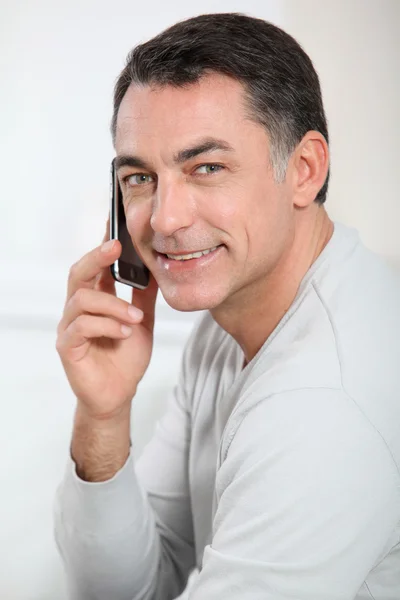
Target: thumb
146,301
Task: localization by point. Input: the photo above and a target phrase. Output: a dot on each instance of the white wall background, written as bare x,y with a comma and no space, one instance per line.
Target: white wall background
59,61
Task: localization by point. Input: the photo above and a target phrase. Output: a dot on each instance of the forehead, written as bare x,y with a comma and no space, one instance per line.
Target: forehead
214,105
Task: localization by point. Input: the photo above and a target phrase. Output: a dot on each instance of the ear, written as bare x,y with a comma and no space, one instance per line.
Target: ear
310,164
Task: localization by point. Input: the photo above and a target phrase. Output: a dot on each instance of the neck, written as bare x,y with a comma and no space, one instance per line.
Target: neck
254,318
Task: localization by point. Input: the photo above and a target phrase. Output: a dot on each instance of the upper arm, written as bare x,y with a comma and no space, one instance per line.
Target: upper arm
308,496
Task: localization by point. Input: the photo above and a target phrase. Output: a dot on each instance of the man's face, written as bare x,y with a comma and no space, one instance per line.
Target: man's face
181,206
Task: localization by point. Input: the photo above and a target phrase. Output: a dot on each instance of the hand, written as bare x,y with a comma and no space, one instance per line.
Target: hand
105,351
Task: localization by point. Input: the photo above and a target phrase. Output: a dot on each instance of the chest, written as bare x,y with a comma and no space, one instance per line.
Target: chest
211,412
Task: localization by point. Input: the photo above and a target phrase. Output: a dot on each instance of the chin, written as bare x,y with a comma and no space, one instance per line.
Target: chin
191,301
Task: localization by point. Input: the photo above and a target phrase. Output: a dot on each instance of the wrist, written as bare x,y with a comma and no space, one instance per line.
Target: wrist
113,419
100,446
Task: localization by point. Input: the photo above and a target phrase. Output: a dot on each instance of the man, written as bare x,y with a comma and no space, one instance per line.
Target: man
275,470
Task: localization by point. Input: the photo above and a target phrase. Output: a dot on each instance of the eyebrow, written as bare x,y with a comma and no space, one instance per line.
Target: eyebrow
205,145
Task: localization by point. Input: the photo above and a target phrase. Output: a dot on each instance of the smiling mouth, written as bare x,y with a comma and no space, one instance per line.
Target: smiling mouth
190,255
185,264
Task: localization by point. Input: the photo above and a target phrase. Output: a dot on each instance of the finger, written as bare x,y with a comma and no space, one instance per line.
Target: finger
105,282
145,300
87,301
88,327
83,273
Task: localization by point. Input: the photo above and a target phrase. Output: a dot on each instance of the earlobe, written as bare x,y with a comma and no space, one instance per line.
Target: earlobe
311,163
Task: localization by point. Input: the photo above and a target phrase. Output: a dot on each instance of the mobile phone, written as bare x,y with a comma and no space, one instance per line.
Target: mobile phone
128,268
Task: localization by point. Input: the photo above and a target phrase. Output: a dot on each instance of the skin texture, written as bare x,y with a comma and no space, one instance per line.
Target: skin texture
271,232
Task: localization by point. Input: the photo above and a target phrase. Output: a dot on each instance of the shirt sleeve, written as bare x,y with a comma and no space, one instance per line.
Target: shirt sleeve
131,537
307,498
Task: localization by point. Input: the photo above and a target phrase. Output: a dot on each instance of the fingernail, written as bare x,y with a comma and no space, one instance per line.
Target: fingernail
107,246
125,330
135,313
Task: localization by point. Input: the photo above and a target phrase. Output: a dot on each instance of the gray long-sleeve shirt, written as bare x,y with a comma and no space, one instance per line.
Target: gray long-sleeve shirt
278,481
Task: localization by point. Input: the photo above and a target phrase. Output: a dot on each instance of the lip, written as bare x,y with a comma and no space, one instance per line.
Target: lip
183,252
170,265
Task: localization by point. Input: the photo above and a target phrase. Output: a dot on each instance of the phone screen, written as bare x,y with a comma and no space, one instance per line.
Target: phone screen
129,268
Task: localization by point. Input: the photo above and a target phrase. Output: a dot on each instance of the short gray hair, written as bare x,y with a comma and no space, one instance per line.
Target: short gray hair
281,86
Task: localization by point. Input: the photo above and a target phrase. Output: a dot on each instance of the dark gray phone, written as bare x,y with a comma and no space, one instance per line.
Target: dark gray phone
128,269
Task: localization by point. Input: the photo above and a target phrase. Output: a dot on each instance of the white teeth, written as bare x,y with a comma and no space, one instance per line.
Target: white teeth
188,256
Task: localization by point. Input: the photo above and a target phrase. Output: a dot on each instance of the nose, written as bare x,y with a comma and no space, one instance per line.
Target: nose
173,207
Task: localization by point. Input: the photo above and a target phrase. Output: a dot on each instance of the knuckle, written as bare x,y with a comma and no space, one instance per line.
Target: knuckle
59,344
79,324
80,296
72,271
59,329
77,299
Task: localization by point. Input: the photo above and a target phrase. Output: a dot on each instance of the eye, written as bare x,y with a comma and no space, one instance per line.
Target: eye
136,180
211,168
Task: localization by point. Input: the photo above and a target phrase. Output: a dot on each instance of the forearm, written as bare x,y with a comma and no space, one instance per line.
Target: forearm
123,531
103,523
105,528
107,537
100,447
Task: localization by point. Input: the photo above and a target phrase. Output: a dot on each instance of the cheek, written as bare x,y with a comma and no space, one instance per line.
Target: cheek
223,209
227,215
136,218
263,222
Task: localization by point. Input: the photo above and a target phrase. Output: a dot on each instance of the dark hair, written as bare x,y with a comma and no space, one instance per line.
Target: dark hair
280,83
